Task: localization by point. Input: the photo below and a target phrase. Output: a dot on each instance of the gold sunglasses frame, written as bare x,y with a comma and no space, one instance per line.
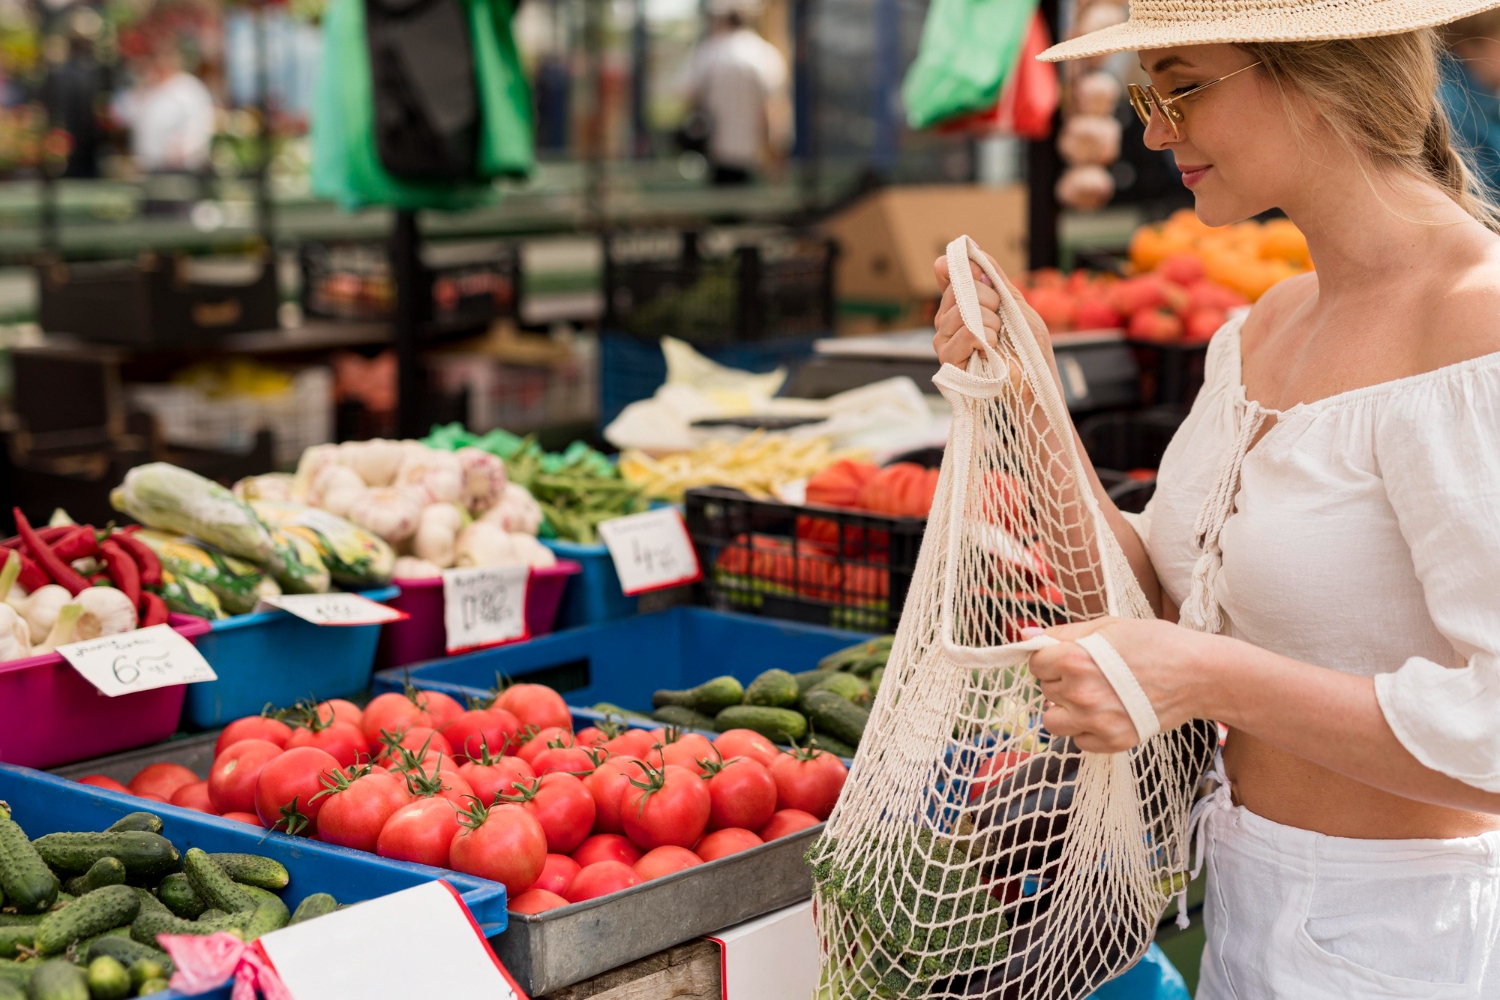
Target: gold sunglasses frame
1144,99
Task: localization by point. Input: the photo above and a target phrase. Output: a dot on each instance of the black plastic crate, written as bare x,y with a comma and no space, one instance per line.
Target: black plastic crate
1170,374
1126,449
822,565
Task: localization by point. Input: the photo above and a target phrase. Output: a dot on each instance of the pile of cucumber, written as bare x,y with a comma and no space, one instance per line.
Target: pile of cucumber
828,706
80,912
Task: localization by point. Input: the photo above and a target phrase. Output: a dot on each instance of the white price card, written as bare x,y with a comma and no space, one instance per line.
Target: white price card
335,609
484,606
771,956
347,955
147,658
651,551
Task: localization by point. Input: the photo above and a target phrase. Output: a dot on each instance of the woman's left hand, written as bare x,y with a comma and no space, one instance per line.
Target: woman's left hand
1168,661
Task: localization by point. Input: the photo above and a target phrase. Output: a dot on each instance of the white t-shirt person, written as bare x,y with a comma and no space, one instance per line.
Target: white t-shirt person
171,121
734,76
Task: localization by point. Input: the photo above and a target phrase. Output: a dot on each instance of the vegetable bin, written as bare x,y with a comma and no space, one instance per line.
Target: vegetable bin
423,635
50,715
594,595
276,657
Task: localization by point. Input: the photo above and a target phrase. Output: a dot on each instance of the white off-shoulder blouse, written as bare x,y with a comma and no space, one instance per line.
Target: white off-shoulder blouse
1361,533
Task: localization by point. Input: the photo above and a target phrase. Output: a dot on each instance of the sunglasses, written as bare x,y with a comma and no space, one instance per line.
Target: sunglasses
1145,99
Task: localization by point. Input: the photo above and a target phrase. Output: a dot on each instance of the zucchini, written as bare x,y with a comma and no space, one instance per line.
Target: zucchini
822,741
99,911
128,952
774,688
838,717
148,925
29,886
148,822
13,939
710,697
846,686
319,904
105,871
270,915
252,869
147,857
107,979
779,725
179,896
681,716
58,980
213,884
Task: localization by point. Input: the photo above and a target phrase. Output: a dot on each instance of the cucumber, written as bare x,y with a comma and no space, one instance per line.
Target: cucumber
621,713
259,895
876,676
710,697
148,925
679,715
845,658
108,979
319,904
149,903
213,914
775,688
808,678
128,952
179,896
29,886
252,869
144,821
846,686
822,741
100,910
147,857
13,939
20,919
105,871
270,915
11,991
18,971
213,884
58,980
156,984
838,717
867,665
146,972
779,725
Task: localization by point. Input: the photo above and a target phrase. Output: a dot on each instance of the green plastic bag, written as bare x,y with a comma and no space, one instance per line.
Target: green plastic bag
345,164
968,48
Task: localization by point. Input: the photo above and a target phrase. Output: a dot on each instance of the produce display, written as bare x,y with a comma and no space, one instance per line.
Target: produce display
758,464
903,489
84,909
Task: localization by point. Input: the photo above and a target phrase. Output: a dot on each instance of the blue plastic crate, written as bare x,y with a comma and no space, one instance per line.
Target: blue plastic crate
593,596
276,657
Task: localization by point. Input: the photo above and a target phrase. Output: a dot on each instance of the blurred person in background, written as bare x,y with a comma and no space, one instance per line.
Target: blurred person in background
170,114
1470,89
737,82
72,93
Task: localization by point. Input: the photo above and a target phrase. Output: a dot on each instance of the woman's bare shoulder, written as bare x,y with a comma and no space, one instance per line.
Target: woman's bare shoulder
1465,314
1275,308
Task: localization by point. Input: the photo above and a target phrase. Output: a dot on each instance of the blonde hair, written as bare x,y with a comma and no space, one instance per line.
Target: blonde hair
1379,96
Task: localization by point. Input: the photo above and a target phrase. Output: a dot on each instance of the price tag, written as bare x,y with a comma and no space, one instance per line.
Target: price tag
771,956
651,551
484,606
334,609
142,660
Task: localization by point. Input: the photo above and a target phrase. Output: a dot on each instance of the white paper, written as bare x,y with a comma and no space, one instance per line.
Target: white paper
774,957
484,605
650,550
334,608
142,660
349,954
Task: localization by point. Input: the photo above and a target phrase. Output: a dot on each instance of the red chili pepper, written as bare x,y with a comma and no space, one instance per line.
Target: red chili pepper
145,559
31,576
48,535
99,580
153,610
60,571
80,543
122,569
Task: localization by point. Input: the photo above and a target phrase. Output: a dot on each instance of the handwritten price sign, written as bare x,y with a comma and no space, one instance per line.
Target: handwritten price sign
142,660
651,551
484,605
335,609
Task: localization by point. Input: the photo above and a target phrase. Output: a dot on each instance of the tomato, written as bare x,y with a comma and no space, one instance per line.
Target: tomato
562,805
355,810
746,743
722,843
502,843
442,783
593,736
442,708
672,808
574,760
602,879
101,781
542,740
557,874
809,780
787,821
993,771
495,777
253,727
151,797
420,740
342,740
606,847
632,742
161,779
391,712
661,861
242,817
607,785
193,795
535,901
339,710
480,729
231,781
743,794
286,793
536,705
686,751
419,831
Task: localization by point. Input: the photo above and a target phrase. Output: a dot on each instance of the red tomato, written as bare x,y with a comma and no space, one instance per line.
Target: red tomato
354,811
602,879
591,737
557,874
661,861
787,821
746,743
100,781
743,794
686,751
574,760
543,740
193,796
480,729
503,843
606,847
286,793
241,817
151,797
994,770
722,843
342,740
441,707
231,781
672,809
253,727
809,780
391,712
339,710
442,783
161,779
420,740
496,777
562,805
419,831
633,743
536,705
607,785
535,901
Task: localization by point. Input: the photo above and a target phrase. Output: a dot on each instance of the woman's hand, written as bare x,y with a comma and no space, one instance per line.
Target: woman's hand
953,341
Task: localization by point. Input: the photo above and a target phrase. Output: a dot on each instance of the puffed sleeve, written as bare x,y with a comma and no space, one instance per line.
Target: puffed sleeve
1438,451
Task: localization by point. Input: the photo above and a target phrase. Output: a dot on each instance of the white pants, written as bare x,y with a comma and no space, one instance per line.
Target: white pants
1299,915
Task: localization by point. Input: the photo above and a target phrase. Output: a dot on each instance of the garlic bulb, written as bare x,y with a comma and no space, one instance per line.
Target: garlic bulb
412,568
516,511
387,511
375,461
341,500
106,611
437,534
332,479
64,630
15,635
268,486
537,555
486,544
313,461
17,598
438,472
484,479
42,607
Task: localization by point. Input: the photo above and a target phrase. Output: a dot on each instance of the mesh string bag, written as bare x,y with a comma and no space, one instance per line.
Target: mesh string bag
972,854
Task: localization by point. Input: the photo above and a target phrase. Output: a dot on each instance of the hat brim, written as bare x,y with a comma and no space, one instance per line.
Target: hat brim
1319,22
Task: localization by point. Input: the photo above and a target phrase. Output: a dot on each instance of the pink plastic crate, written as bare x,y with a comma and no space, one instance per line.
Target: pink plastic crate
423,636
50,715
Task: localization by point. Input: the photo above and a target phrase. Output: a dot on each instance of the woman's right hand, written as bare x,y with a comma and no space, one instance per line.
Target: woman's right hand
953,341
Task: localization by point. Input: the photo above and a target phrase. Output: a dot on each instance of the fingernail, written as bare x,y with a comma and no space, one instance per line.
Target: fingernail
1031,632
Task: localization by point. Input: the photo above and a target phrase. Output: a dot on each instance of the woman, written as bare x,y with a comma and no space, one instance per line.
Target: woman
1326,525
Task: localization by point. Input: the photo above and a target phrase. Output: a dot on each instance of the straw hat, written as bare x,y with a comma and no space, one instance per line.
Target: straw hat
1158,24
